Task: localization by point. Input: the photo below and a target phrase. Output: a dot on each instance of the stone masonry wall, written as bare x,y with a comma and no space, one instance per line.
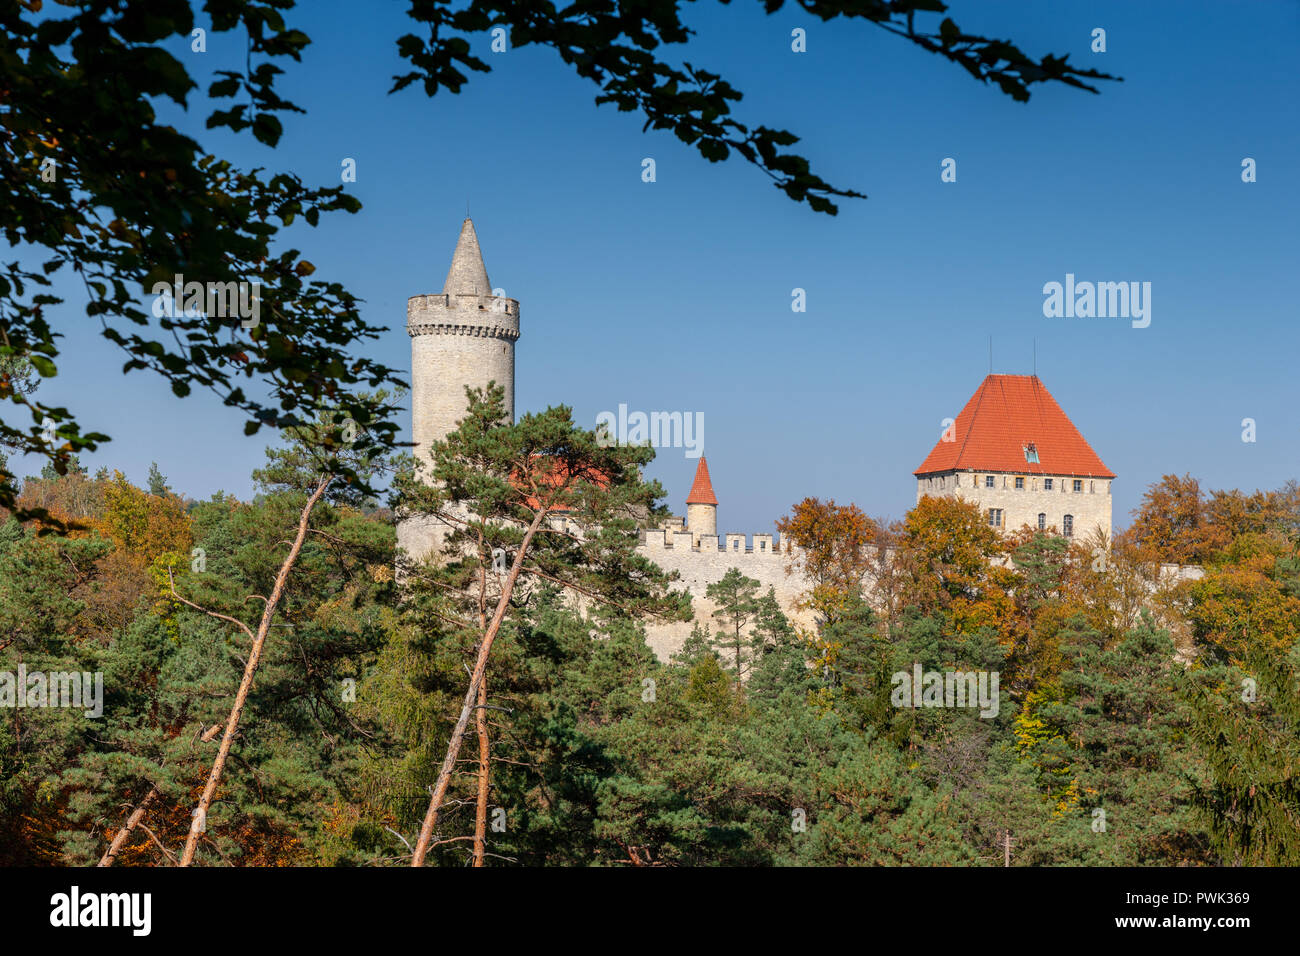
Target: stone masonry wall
765,561
456,340
1090,507
701,566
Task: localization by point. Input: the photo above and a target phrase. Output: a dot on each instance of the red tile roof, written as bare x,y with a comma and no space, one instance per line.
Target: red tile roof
553,474
702,489
1005,416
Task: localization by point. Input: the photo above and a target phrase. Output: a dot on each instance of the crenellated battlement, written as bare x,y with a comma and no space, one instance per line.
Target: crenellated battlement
704,559
660,539
450,314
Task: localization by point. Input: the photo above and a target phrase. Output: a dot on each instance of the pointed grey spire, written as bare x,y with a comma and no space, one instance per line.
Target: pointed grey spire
467,275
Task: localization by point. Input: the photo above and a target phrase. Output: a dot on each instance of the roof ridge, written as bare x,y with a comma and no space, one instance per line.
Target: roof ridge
979,400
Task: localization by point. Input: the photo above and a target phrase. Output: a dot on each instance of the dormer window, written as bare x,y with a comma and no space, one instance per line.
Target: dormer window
1031,453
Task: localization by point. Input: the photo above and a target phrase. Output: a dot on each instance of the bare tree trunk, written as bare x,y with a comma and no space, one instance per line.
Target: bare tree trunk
250,669
120,838
471,697
480,815
137,816
480,718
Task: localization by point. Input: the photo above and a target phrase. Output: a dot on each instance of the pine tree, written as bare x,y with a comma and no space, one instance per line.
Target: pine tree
735,596
561,508
1246,727
157,483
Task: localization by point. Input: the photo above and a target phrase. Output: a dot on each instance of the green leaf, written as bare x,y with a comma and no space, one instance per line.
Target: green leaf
267,129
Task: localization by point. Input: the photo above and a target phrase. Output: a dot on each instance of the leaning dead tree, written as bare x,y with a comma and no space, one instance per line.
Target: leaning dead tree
257,644
137,813
471,699
250,669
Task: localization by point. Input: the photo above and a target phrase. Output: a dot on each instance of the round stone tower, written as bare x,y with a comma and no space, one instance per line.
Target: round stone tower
463,336
702,504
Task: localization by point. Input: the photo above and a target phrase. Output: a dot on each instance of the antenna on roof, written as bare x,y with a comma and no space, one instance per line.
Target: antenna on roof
1035,358
990,355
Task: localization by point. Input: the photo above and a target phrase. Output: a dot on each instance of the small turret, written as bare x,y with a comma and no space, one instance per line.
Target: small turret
702,504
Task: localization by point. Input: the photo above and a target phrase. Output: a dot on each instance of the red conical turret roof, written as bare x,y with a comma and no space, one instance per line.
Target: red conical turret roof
702,488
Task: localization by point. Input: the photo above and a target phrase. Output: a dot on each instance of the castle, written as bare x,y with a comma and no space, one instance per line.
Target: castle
1011,450
1015,453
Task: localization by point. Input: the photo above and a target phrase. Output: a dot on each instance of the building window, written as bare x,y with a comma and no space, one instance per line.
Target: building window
988,481
995,517
1092,487
1020,484
1078,485
956,481
1047,484
1042,521
1031,453
1068,525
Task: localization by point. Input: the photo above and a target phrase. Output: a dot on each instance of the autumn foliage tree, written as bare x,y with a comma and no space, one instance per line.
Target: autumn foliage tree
1249,602
833,553
952,559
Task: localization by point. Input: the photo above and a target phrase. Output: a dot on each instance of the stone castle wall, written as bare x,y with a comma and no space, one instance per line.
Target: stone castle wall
456,340
764,560
1090,508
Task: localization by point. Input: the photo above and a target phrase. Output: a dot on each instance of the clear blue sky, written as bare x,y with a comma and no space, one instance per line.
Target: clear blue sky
676,295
